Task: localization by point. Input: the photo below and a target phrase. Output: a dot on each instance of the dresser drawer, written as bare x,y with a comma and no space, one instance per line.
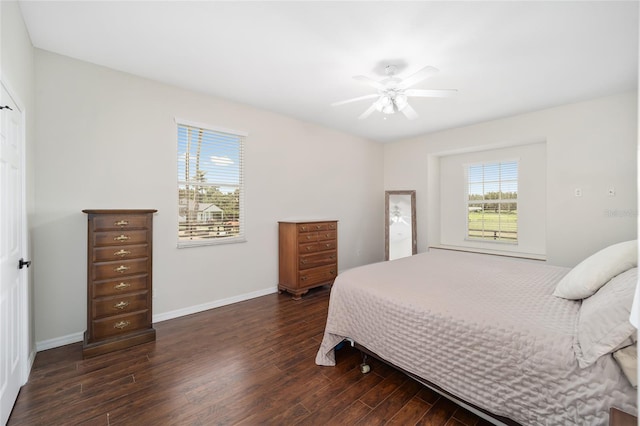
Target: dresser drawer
316,247
113,221
315,226
121,286
327,245
320,259
103,271
309,277
307,237
117,238
119,324
327,235
105,254
110,306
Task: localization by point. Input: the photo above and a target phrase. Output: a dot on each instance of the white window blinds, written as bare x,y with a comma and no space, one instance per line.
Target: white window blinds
210,185
492,201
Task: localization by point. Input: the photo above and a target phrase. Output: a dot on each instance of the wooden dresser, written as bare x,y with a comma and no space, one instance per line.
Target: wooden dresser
308,255
620,418
119,288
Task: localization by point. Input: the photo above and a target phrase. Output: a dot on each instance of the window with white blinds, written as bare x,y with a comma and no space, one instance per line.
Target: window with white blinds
210,185
492,201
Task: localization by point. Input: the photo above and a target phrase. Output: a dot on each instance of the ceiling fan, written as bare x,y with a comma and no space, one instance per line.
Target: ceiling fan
393,92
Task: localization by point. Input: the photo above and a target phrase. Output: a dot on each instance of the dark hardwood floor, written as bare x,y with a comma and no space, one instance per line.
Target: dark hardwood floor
249,363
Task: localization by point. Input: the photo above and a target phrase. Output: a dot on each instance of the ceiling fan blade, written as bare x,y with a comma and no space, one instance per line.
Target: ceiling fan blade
431,93
370,81
367,112
374,95
425,72
409,112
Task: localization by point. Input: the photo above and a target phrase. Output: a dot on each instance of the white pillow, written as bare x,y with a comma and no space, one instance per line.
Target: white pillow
596,270
627,359
603,321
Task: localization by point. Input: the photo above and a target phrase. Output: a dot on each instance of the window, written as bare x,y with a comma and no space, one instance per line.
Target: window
492,201
463,179
210,185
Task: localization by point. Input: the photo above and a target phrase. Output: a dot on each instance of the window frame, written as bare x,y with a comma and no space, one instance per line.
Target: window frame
499,202
241,236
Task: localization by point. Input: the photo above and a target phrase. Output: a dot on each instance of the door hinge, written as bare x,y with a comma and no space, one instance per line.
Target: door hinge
22,263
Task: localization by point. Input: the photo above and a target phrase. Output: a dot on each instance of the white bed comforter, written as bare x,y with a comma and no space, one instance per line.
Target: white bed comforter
484,328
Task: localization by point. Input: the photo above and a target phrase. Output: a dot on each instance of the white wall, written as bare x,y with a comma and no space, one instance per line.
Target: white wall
590,145
107,139
17,68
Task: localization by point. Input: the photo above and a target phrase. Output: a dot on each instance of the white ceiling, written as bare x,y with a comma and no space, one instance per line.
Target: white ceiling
296,58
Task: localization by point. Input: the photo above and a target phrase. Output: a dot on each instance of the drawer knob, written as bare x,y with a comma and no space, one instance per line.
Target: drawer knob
308,248
303,278
121,237
328,245
303,228
318,226
121,223
121,305
121,324
121,269
332,257
122,253
303,261
121,286
332,272
308,237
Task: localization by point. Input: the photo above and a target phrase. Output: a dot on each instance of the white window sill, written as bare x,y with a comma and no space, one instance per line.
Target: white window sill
210,242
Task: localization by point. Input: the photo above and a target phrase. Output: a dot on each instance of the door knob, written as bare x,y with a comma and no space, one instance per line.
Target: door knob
22,263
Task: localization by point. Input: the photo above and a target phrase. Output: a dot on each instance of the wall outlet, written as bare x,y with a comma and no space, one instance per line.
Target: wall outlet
577,192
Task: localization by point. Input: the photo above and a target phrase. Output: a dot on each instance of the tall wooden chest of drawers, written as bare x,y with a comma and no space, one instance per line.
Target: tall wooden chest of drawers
119,288
308,255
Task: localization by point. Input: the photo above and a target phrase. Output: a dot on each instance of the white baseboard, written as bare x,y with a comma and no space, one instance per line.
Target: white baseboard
214,304
78,337
59,341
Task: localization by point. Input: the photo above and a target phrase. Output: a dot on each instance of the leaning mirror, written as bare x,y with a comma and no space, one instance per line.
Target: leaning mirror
400,224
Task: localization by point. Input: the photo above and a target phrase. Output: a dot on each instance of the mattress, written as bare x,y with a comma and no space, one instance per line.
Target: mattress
486,329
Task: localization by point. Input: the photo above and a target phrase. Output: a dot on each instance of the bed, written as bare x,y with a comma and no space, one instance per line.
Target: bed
489,331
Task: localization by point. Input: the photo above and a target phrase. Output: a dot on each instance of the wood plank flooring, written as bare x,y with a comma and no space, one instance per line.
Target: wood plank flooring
250,363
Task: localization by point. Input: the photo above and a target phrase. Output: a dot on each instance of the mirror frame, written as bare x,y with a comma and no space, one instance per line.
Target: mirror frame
414,242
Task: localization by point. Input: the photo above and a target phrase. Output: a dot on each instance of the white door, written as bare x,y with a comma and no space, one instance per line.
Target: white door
13,319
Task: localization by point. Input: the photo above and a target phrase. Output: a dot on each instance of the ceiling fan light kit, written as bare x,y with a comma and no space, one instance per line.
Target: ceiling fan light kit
391,101
393,92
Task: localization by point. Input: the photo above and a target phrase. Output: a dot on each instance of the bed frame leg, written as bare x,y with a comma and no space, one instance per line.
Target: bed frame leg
364,367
